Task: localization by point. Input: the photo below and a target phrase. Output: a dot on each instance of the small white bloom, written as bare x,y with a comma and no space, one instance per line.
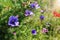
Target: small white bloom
31,13
16,23
42,10
12,25
37,6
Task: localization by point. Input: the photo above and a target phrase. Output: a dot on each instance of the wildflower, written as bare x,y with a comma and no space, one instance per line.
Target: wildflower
34,32
41,17
14,33
42,11
44,30
34,5
56,14
28,12
13,21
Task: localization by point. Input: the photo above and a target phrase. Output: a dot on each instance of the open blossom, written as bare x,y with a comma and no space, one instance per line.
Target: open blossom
28,13
34,5
41,17
34,32
44,30
13,21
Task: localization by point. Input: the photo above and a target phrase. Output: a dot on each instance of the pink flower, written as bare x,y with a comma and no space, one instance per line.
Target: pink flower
14,33
42,11
44,30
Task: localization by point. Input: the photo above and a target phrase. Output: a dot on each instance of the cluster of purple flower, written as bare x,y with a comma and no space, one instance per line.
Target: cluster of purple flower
13,20
34,5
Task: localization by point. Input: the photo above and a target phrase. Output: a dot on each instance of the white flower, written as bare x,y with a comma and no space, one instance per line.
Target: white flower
42,10
31,13
16,23
37,6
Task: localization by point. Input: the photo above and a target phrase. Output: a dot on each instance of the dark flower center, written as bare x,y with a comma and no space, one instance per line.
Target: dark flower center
13,22
33,31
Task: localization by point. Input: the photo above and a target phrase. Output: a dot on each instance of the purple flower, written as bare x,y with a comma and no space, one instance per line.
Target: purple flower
44,30
28,12
41,17
34,5
34,32
13,21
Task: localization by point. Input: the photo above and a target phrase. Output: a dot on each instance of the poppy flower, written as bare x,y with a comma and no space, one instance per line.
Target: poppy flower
28,13
41,17
34,5
44,30
34,32
56,14
13,21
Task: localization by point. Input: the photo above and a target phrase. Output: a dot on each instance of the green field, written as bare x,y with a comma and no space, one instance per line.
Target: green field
23,31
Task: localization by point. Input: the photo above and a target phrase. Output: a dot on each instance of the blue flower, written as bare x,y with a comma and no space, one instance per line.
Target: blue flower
34,5
13,21
34,32
28,12
41,17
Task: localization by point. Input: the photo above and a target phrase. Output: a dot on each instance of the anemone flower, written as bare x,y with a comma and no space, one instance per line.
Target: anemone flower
34,32
44,30
28,13
34,5
13,21
41,17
